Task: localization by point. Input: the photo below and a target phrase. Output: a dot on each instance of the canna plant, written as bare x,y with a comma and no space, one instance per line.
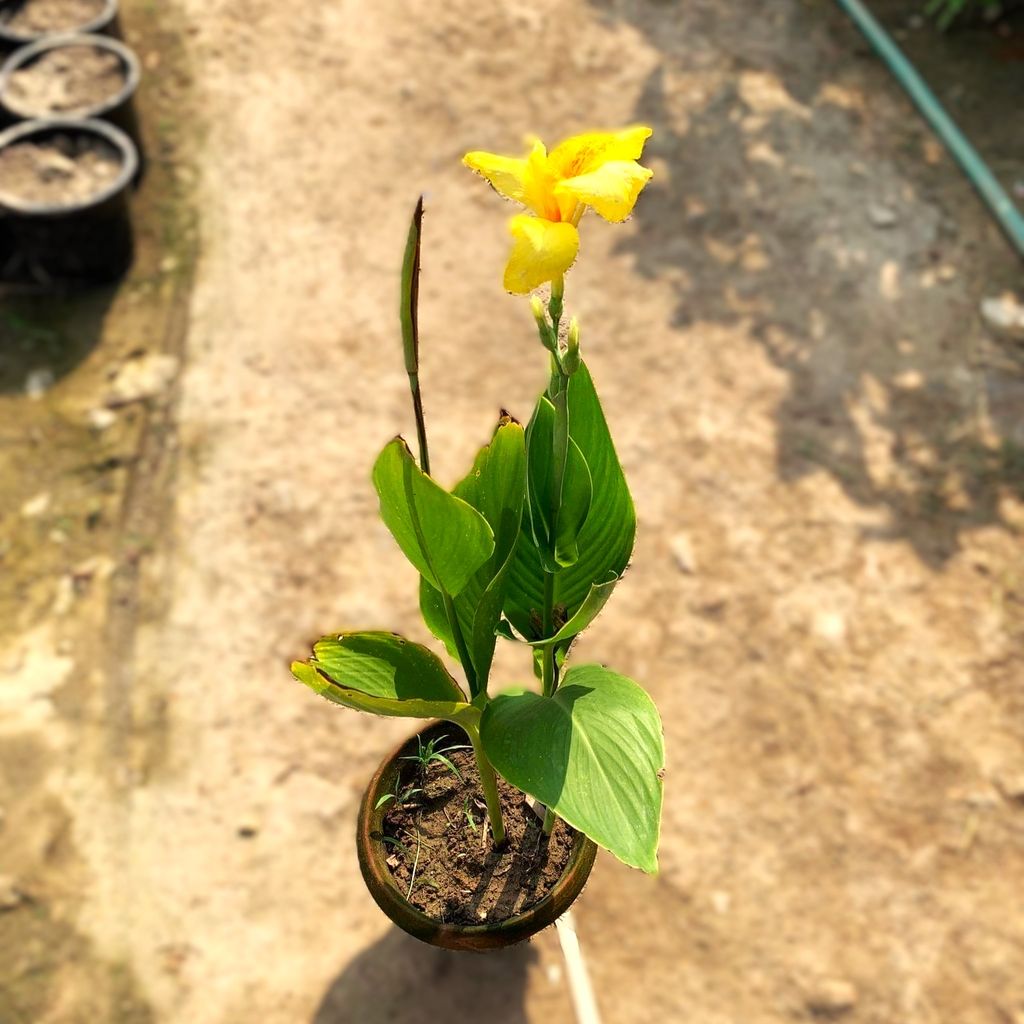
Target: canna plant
527,548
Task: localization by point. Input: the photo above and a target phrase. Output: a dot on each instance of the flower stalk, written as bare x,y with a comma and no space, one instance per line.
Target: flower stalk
560,452
558,391
555,304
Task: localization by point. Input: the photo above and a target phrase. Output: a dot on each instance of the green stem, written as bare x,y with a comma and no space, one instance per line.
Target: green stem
549,670
560,454
560,446
488,783
548,665
555,305
549,683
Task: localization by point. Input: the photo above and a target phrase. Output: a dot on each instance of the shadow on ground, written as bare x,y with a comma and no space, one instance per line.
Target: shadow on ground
403,981
856,260
48,336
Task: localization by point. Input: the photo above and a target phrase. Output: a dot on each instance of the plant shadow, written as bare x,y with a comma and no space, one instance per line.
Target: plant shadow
804,203
400,980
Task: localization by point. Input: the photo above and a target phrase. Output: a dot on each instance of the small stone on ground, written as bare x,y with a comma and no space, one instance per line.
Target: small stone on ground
831,997
1004,317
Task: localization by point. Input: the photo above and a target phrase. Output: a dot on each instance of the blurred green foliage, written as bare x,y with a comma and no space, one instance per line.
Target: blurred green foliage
945,12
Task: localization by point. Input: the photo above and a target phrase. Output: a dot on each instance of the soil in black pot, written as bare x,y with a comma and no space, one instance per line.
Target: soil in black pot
62,169
70,80
34,17
442,855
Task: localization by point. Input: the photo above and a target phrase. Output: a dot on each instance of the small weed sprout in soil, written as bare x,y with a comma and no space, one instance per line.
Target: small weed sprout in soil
467,812
527,547
400,796
428,752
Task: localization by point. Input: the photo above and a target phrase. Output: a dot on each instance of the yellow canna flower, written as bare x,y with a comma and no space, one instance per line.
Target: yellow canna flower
597,169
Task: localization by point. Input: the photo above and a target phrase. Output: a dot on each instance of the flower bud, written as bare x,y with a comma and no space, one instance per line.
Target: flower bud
546,334
571,356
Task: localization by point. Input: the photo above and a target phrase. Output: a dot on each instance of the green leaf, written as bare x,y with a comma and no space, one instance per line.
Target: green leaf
384,674
593,752
577,490
443,536
496,488
434,615
606,540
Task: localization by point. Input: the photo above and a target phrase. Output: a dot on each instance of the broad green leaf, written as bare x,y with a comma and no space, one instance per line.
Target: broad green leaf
593,752
495,487
577,490
382,673
384,665
444,537
606,540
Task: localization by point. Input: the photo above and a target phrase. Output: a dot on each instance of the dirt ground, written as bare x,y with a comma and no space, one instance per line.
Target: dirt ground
825,447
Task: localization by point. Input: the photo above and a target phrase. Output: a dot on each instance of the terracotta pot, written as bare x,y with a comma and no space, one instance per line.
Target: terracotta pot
373,854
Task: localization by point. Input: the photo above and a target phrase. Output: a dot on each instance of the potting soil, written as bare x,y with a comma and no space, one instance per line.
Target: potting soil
443,852
61,170
71,80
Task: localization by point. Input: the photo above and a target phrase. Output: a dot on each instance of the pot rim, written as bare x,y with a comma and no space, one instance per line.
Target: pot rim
97,24
47,126
389,897
23,56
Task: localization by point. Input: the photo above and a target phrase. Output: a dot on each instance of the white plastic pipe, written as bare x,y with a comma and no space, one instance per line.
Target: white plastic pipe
580,989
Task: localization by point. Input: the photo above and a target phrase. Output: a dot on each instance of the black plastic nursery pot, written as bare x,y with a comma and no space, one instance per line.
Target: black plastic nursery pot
83,241
100,16
118,107
373,854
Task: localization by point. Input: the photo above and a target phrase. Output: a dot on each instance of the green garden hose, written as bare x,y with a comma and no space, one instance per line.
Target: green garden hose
981,177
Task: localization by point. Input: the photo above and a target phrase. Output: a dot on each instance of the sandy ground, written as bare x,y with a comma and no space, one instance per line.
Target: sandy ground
827,596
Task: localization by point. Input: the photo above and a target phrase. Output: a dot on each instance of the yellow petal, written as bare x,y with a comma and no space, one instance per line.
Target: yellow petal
585,153
530,181
611,190
539,183
542,250
505,173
